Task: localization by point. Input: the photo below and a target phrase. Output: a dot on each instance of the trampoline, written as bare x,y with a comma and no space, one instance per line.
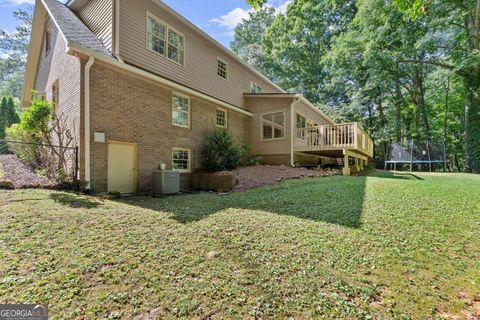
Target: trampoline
416,154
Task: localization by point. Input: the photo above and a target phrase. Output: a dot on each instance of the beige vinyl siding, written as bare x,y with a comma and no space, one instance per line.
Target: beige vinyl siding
309,114
98,16
201,55
259,107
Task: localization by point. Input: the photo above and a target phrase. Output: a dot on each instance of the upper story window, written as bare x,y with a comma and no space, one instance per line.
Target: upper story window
55,95
175,46
180,111
222,69
221,118
165,40
48,41
156,32
255,88
273,126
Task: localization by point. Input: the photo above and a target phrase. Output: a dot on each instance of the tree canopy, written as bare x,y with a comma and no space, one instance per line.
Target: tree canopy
407,69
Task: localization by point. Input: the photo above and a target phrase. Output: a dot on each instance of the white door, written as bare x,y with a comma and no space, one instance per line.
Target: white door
121,168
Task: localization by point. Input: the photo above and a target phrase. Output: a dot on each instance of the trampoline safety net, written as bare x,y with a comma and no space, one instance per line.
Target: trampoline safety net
419,155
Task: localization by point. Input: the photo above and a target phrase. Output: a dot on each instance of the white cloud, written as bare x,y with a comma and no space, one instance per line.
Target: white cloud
231,19
234,17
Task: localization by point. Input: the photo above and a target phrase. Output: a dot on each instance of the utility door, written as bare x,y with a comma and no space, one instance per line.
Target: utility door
121,167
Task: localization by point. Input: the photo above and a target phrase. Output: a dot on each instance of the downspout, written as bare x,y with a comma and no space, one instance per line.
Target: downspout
293,133
88,66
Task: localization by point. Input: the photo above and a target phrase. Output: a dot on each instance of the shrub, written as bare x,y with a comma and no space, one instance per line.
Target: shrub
219,151
246,157
25,152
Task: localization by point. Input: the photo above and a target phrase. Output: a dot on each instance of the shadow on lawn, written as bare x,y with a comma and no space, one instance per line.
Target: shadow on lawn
396,175
336,200
74,201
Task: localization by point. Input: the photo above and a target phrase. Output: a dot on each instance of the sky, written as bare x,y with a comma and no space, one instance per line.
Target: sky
216,17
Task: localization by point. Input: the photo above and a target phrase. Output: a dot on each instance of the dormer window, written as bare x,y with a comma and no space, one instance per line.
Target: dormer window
48,41
222,69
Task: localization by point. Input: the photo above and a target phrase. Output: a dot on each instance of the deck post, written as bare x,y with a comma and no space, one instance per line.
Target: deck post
357,163
346,166
360,160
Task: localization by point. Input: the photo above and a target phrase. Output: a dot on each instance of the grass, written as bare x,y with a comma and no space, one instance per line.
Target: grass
387,246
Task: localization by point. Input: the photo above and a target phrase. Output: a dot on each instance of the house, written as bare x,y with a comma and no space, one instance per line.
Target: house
141,85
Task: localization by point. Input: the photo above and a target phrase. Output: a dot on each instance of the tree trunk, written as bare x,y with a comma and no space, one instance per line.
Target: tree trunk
472,122
398,112
420,102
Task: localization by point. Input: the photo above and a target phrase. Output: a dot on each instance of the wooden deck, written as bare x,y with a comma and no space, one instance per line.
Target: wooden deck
334,140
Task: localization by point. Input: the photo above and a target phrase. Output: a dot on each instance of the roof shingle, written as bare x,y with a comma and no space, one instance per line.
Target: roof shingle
73,28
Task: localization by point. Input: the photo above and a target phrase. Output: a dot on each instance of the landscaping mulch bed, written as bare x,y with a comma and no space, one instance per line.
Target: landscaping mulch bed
21,174
257,176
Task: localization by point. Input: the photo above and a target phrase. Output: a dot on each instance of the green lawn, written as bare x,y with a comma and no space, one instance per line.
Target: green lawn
387,246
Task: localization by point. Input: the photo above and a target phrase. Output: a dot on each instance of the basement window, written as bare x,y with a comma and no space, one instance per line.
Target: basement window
181,159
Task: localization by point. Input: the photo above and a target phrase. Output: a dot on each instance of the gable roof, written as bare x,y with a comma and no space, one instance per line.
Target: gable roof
76,4
72,28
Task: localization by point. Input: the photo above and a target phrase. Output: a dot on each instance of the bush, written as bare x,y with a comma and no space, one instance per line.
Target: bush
246,157
23,151
219,151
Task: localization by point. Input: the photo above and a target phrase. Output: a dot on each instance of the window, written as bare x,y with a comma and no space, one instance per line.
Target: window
255,88
55,95
221,118
48,41
301,123
180,111
156,31
181,159
222,69
175,46
273,126
164,40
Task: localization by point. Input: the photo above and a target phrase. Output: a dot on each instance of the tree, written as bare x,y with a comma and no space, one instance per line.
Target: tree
297,42
247,42
8,115
13,53
462,57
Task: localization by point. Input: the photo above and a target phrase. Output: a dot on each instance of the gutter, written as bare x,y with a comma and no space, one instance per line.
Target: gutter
292,133
71,46
88,67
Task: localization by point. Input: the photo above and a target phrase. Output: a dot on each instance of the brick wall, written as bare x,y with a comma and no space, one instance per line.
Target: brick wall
129,108
57,65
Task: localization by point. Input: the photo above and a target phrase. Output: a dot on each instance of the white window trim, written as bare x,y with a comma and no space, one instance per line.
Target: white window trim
178,94
226,118
251,87
183,49
189,163
284,125
227,69
167,27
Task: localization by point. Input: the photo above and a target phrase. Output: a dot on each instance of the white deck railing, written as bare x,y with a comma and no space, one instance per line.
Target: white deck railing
349,136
